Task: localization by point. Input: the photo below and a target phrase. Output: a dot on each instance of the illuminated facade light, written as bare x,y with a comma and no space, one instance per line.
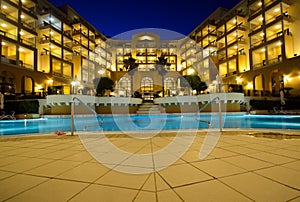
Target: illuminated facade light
191,71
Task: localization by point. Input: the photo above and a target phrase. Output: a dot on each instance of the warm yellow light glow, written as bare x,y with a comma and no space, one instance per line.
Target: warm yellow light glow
278,26
101,71
259,3
21,49
3,25
51,33
4,7
50,81
21,33
238,80
191,71
38,87
250,86
3,43
22,16
279,43
276,10
262,34
261,19
287,78
263,50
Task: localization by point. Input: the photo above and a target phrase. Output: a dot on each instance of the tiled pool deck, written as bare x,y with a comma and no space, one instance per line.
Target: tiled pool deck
240,168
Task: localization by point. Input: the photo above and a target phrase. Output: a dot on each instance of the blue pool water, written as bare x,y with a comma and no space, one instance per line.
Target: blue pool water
146,122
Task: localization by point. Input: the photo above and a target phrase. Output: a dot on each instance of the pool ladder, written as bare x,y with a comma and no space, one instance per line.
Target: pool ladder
87,107
204,107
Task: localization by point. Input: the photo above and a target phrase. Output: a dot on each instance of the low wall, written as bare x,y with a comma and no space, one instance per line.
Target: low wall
230,102
61,105
229,107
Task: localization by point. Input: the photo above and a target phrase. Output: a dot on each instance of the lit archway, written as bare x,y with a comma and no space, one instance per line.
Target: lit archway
124,87
258,86
170,86
277,81
147,88
27,85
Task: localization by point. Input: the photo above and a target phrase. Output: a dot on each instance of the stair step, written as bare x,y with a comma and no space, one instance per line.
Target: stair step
148,112
148,108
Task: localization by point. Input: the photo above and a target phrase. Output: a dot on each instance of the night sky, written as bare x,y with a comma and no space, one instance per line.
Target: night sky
113,17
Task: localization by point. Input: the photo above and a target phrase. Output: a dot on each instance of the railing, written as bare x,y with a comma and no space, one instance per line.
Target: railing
205,106
87,107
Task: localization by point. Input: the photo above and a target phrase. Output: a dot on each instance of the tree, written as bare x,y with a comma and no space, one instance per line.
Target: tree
102,84
131,66
194,82
161,63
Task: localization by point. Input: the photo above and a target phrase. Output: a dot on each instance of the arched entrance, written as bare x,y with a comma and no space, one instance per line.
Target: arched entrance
147,88
27,85
124,87
170,86
258,85
277,82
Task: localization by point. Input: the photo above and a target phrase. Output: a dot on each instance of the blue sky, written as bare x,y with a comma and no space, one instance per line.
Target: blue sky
119,16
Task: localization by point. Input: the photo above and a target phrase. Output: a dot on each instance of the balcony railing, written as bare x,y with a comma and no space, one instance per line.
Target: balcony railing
30,26
257,43
28,42
8,35
275,60
29,10
8,16
256,27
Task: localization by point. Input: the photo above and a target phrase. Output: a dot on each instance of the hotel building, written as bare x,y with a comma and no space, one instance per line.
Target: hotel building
252,48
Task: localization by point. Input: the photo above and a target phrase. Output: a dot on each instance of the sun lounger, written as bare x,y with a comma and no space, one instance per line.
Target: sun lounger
283,111
11,116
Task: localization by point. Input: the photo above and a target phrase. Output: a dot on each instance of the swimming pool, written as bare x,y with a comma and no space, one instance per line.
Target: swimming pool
146,122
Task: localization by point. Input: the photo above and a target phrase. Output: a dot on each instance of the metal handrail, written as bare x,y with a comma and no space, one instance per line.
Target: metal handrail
205,106
87,107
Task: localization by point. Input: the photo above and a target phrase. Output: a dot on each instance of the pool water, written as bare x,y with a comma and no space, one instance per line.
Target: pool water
146,122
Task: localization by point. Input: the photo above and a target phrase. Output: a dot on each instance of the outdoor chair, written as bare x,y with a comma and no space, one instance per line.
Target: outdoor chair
10,115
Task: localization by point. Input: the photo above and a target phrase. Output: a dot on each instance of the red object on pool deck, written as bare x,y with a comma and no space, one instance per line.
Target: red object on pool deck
60,133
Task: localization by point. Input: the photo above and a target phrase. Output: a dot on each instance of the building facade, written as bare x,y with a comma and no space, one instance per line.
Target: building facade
252,47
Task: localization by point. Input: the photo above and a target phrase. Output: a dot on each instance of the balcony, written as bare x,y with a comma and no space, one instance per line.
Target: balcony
275,60
8,35
257,43
8,16
28,42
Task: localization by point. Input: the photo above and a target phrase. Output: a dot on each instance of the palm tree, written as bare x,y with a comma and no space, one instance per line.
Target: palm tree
131,66
161,63
194,82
